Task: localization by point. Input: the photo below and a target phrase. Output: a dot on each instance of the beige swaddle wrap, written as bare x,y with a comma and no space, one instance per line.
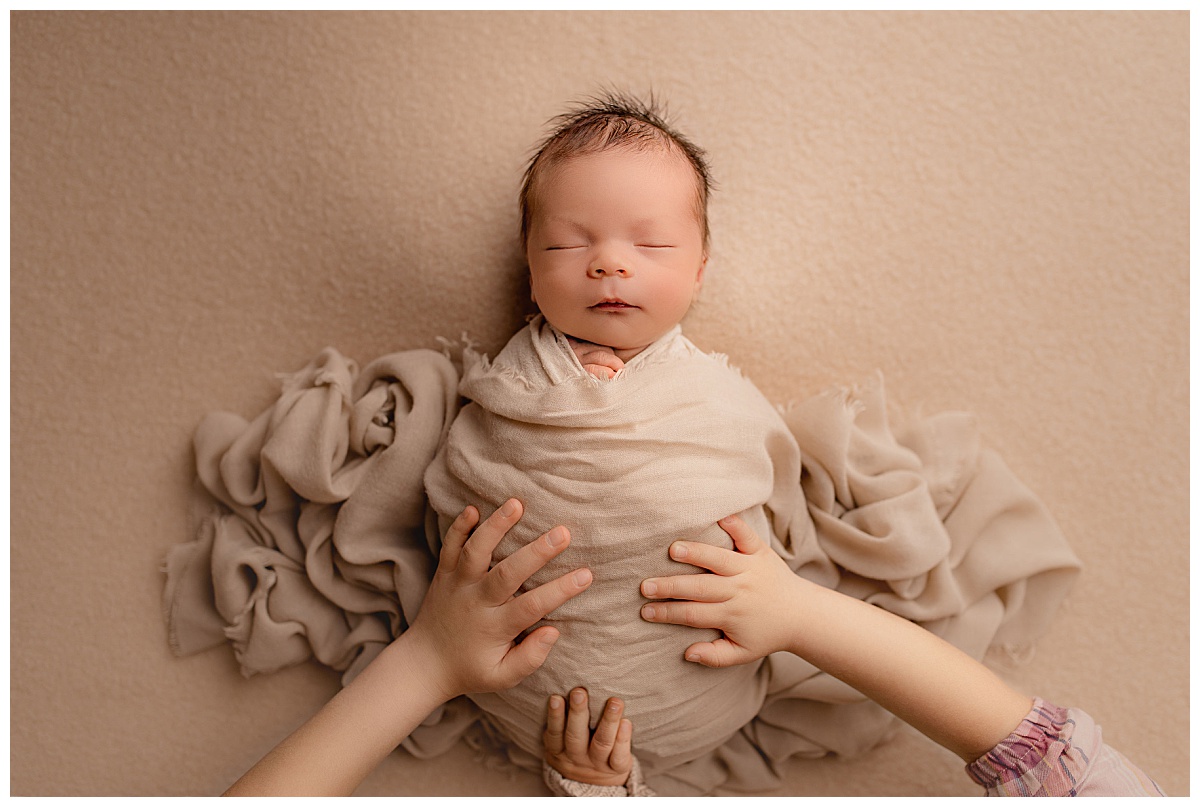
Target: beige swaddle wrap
311,537
676,441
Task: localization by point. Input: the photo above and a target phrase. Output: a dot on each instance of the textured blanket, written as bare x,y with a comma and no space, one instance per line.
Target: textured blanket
317,542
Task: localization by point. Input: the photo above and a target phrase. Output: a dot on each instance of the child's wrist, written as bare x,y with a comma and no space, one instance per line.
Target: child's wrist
416,661
802,597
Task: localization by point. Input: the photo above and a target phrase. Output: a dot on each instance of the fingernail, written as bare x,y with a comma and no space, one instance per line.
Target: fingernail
509,508
693,657
614,707
556,702
556,537
649,588
547,638
577,697
727,520
582,577
678,550
648,611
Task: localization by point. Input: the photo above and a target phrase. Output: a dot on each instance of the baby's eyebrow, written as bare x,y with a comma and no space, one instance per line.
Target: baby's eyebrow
642,224
563,221
639,227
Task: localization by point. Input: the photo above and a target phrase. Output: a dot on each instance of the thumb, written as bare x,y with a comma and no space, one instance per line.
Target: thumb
523,659
719,653
745,539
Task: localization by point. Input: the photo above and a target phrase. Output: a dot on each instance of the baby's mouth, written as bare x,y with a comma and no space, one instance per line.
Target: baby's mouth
613,305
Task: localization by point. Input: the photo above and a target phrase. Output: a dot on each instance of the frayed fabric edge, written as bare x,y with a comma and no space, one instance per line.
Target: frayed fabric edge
465,355
454,350
850,397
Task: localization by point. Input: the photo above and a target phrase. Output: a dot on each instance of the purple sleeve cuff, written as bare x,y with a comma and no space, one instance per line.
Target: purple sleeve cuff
1058,752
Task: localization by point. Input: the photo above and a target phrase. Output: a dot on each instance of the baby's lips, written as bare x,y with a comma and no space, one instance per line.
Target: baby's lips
613,303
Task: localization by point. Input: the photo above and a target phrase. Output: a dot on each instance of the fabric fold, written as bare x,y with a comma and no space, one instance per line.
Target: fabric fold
294,569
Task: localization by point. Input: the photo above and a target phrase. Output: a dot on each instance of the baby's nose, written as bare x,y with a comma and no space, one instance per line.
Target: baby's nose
604,267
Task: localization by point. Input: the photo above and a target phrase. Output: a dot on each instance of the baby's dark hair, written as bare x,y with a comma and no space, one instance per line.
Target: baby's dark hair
606,121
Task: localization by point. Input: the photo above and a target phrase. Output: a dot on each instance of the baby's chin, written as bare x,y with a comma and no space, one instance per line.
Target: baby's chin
616,339
618,347
626,335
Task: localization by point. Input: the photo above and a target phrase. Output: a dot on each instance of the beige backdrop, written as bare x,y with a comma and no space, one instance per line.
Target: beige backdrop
991,208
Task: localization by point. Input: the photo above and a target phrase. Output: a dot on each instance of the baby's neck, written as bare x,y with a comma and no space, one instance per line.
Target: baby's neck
624,354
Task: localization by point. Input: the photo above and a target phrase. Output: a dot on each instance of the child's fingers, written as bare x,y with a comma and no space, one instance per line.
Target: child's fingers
477,554
531,606
706,556
576,734
507,576
456,537
695,587
621,758
692,614
605,736
556,719
745,539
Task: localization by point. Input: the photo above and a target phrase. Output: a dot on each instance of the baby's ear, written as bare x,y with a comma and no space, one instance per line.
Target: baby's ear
699,278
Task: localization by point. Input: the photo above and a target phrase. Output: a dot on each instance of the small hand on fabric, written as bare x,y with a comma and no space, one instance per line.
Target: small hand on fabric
462,640
470,616
597,360
600,757
744,597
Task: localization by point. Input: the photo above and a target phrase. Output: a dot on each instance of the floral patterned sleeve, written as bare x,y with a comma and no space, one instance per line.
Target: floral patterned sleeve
1058,752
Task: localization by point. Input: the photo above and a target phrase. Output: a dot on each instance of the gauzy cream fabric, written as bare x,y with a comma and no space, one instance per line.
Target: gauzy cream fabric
314,543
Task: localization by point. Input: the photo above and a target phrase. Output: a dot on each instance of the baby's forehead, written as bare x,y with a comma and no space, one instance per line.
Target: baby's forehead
667,154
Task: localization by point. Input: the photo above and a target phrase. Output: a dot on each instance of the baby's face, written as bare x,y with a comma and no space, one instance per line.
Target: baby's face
616,251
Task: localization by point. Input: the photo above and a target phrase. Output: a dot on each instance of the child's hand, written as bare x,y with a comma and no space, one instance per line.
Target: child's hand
602,757
747,597
462,640
466,628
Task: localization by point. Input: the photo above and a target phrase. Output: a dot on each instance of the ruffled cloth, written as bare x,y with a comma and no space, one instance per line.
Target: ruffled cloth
1058,752
312,537
308,523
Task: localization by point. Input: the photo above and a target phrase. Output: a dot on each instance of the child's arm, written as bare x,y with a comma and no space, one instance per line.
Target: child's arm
461,641
762,606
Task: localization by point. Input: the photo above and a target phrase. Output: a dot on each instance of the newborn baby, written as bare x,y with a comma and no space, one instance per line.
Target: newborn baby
602,417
